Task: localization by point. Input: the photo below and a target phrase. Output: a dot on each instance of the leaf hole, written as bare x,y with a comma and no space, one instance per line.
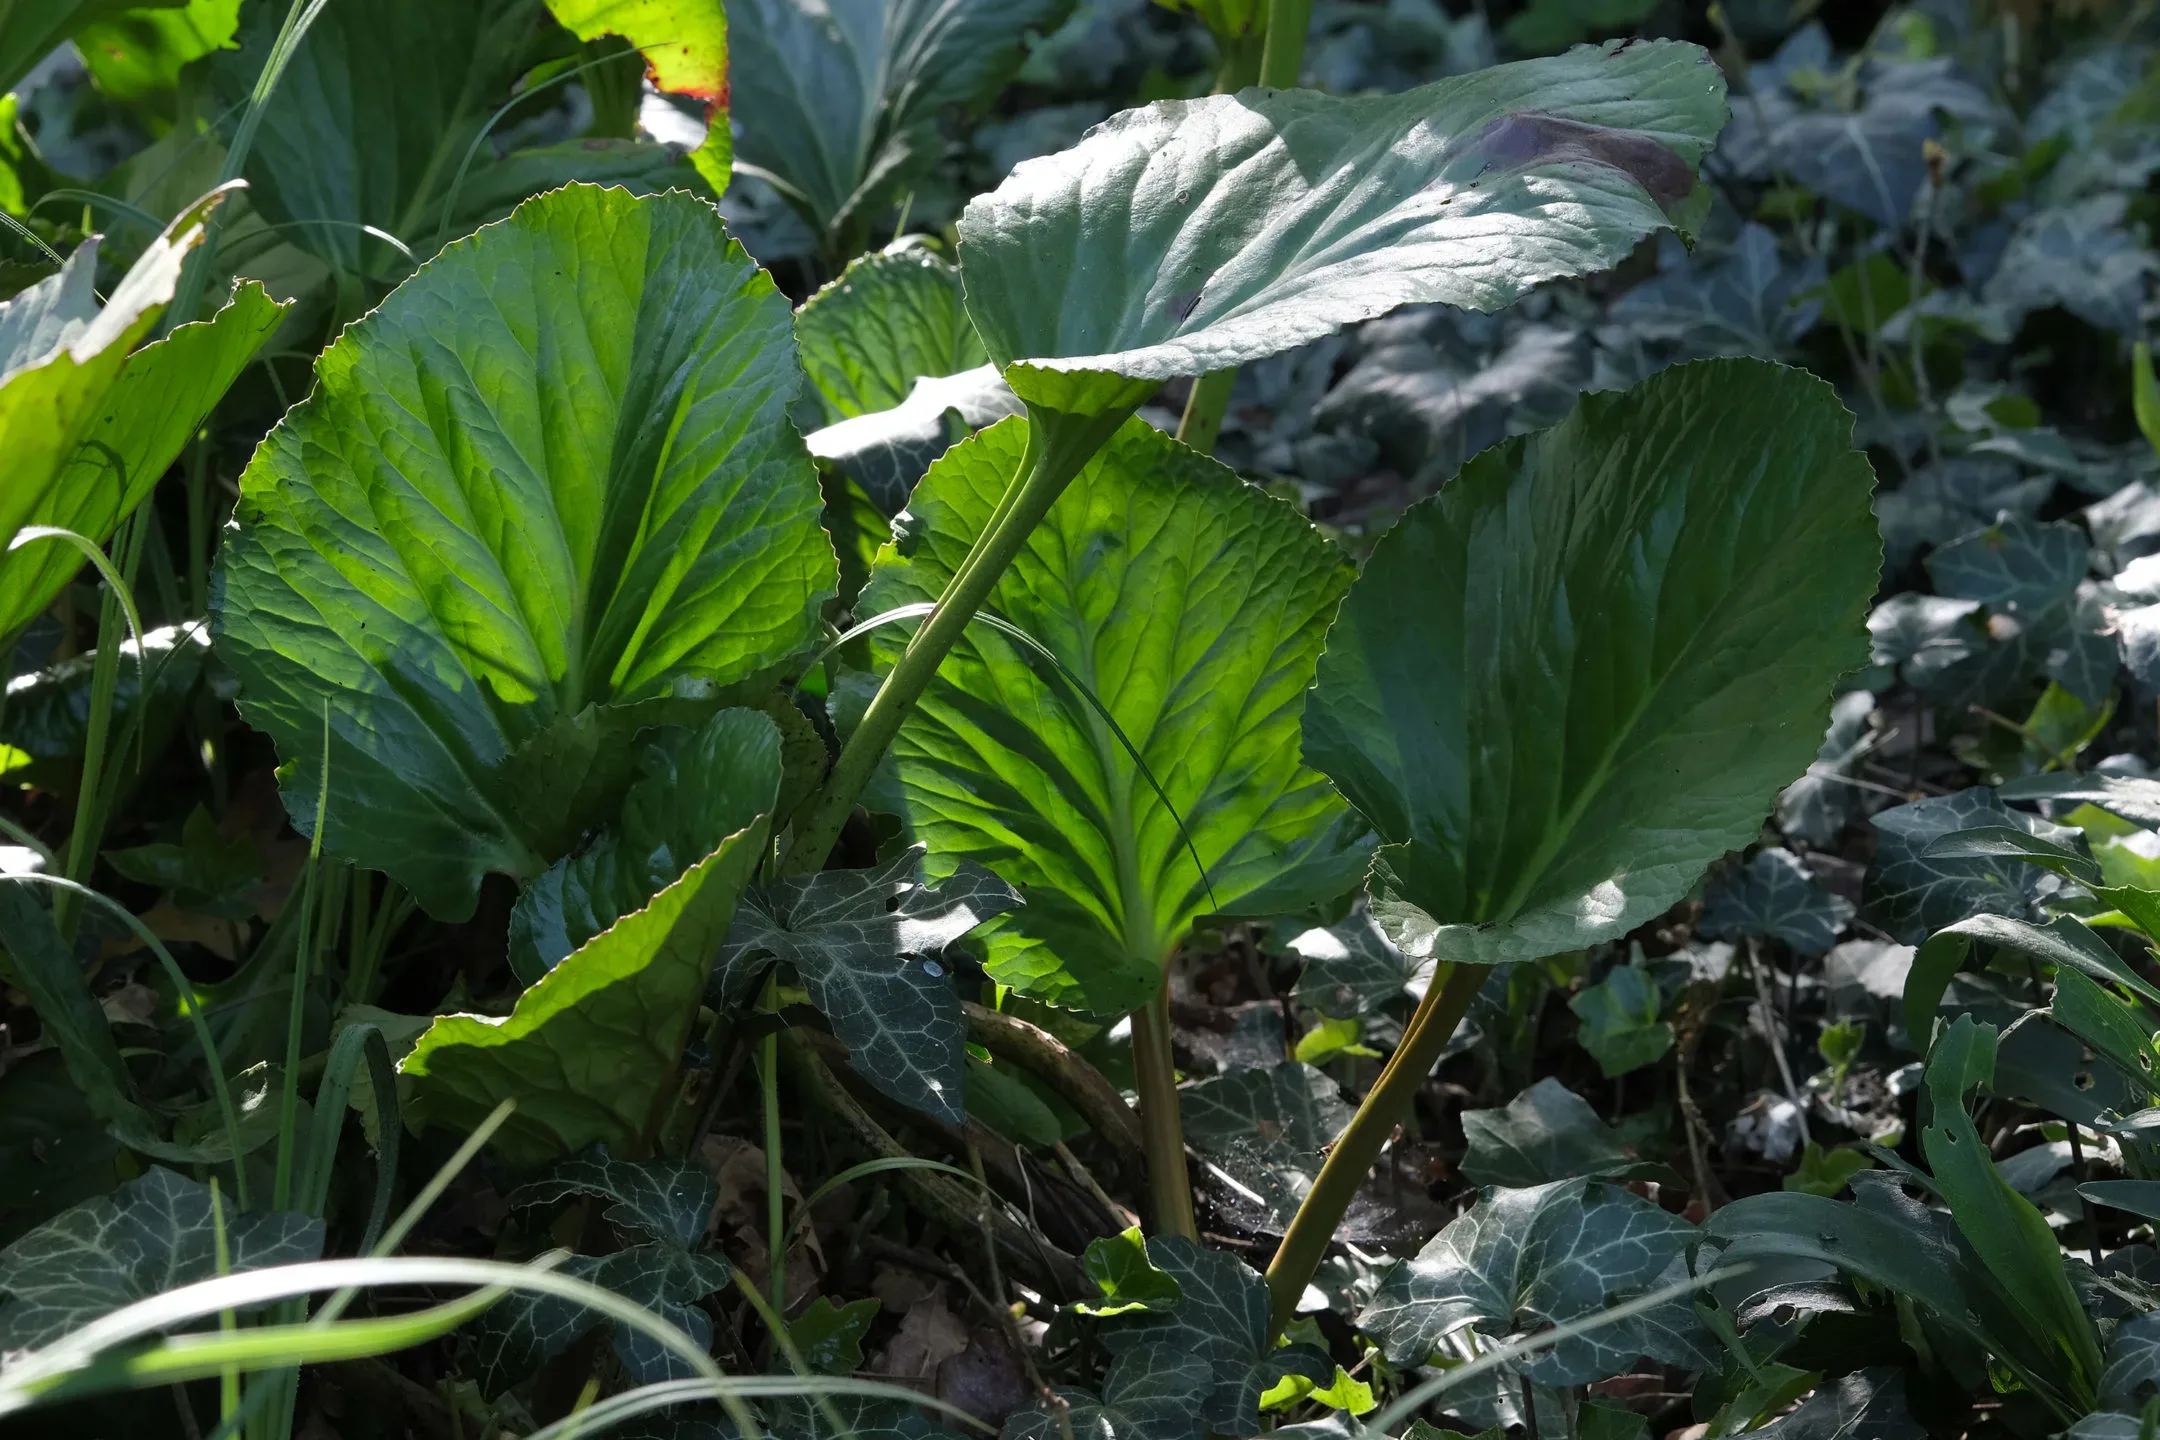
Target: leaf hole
2083,1080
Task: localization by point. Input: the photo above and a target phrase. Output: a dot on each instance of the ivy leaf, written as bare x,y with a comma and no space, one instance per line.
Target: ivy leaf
1520,1260
830,1336
591,1043
1816,808
838,105
1129,1280
890,319
521,1332
1192,235
666,1200
2014,565
155,1233
697,789
1220,1321
1269,1129
379,123
1192,605
1750,303
1350,968
684,45
868,944
1569,681
1148,1394
1547,1133
2133,1362
1773,894
515,521
1913,893
2083,257
1620,1024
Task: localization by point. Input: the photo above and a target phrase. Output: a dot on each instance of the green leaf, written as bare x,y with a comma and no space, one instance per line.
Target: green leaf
1826,1172
89,427
153,1234
29,29
2145,394
1000,1098
830,1336
684,44
1912,890
1895,1242
2015,565
2064,942
889,320
1520,1260
52,1143
523,1331
2061,853
136,56
1350,968
205,872
1583,670
45,968
380,122
2010,1236
1620,1024
1192,235
1609,1422
869,947
2133,1362
887,452
1129,1281
1546,1133
1148,1394
1865,1405
2138,1197
48,711
591,1046
1269,1129
515,517
838,105
1193,606
1219,1321
1774,895
665,1200
696,790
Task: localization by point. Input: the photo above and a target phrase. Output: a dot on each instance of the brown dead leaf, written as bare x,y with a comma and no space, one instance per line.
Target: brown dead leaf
131,1004
930,1334
986,1379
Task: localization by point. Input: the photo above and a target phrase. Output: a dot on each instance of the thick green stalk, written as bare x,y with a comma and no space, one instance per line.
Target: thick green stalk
1281,58
1162,1135
1445,1003
775,1173
1058,446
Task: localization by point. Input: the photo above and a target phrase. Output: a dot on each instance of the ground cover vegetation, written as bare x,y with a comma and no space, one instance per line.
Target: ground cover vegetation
1079,719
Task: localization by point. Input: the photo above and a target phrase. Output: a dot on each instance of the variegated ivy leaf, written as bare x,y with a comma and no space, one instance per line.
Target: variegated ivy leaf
1867,1403
868,945
1521,1260
1912,894
1774,895
2133,1362
1151,1394
521,1332
1267,1130
2015,565
153,1234
667,1200
1816,807
1350,968
1221,1320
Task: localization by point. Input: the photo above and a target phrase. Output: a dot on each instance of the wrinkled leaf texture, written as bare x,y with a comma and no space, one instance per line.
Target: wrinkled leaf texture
549,480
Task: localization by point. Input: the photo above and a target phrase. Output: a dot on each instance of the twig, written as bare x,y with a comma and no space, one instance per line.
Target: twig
1119,1216
1050,1059
1775,1032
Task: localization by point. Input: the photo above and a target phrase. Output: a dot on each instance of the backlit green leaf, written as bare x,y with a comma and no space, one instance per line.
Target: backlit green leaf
1620,1024
890,319
1129,1281
1584,669
1192,235
515,510
684,45
1192,605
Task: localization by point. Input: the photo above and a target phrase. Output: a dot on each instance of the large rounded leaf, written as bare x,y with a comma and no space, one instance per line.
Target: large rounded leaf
1193,235
1193,605
1583,671
891,319
548,484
